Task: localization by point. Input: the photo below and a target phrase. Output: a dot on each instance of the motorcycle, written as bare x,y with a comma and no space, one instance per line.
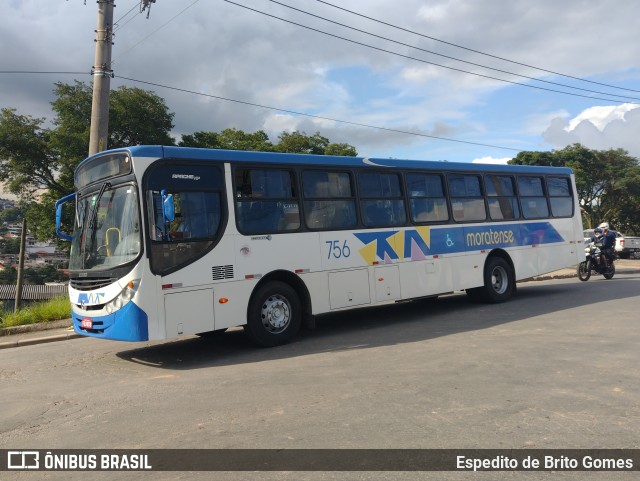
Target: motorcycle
593,263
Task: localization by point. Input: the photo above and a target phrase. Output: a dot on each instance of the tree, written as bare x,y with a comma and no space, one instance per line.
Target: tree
27,162
301,143
340,149
289,142
9,246
204,140
608,183
230,139
8,275
13,214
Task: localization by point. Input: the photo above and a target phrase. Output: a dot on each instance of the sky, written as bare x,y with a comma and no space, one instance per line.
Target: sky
389,80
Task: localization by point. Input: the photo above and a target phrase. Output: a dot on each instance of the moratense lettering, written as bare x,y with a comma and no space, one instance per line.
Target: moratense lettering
490,237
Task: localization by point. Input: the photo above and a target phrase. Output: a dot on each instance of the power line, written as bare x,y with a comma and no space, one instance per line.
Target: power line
126,14
156,30
472,50
425,61
293,112
448,56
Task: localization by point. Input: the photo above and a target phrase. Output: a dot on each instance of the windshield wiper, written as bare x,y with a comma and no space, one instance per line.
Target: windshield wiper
92,224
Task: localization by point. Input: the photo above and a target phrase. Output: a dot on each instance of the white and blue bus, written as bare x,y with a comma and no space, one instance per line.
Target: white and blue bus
171,242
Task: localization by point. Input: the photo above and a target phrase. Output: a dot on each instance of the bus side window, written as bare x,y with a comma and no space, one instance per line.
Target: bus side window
501,195
467,201
560,196
381,199
532,198
427,201
328,200
266,201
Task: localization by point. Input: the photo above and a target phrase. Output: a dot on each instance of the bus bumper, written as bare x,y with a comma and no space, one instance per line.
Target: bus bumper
128,324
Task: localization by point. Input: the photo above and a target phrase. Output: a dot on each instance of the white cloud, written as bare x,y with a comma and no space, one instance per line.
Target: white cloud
600,128
600,117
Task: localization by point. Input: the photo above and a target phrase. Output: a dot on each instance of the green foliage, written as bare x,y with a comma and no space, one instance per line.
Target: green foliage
27,162
203,140
9,246
608,183
289,142
12,215
230,139
8,275
138,117
52,310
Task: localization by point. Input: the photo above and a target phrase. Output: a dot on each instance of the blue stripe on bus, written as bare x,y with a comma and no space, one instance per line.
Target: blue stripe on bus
416,243
127,324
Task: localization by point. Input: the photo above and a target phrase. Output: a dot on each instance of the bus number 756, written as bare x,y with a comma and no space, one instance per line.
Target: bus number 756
338,250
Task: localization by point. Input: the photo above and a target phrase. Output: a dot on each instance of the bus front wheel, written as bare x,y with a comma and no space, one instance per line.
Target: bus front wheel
499,282
274,315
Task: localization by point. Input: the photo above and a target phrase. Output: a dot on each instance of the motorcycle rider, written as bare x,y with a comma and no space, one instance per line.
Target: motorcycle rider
608,244
596,240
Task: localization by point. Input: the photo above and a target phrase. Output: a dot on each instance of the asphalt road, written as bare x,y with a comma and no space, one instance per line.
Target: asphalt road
557,367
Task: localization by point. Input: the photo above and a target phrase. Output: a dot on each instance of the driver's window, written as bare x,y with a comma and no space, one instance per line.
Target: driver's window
197,216
198,200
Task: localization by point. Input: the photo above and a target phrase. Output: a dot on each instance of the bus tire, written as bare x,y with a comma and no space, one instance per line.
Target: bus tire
499,282
275,315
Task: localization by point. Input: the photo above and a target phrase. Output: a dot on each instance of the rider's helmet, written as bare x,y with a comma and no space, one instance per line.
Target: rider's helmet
604,225
597,230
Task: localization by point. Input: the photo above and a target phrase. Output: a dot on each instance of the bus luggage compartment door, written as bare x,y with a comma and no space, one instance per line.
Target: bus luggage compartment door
188,312
387,283
349,288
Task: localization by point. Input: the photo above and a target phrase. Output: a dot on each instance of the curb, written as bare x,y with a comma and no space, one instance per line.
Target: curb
39,340
38,326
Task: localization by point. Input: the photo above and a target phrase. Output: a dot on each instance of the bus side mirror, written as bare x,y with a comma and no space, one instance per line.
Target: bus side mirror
59,204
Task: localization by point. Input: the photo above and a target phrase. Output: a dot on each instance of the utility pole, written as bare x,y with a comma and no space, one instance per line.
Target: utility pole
102,74
23,249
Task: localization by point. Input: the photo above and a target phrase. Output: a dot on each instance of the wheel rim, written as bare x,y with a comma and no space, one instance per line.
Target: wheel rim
276,313
499,280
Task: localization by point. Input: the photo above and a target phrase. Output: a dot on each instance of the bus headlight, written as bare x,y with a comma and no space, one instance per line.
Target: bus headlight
122,299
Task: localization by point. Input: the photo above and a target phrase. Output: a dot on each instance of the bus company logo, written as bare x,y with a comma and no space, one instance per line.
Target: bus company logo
90,299
185,177
490,237
390,246
23,460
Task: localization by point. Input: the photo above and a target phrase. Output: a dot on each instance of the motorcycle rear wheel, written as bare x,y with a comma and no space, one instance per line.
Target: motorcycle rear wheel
610,272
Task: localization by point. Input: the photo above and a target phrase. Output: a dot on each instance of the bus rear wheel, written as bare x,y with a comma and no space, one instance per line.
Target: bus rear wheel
275,315
499,282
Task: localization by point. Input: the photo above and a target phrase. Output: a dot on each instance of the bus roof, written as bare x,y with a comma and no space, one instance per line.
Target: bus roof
192,153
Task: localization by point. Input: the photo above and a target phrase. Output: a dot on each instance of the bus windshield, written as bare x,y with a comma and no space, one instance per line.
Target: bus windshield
106,229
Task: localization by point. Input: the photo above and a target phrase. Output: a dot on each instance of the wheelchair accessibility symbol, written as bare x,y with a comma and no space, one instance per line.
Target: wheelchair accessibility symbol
450,242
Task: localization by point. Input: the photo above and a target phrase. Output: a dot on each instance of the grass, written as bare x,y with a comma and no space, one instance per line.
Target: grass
51,310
